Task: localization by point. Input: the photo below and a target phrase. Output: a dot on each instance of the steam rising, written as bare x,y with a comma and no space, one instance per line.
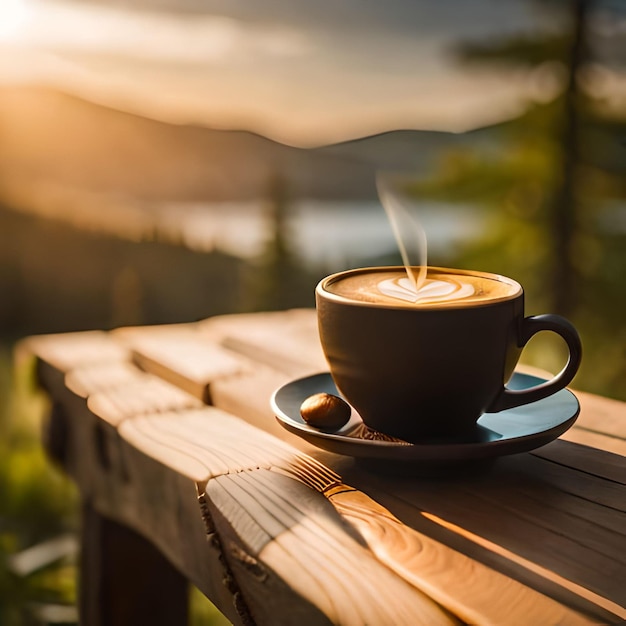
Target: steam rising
408,232
411,240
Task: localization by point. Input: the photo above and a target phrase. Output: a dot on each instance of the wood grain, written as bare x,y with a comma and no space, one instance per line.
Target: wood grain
616,611
204,443
602,415
87,380
303,540
140,493
181,355
538,535
70,350
287,341
594,439
527,516
584,459
140,396
473,592
209,443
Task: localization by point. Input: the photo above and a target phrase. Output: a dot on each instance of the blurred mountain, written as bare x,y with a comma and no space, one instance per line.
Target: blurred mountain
50,137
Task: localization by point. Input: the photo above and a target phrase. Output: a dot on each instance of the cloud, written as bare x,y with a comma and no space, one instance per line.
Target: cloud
300,71
70,28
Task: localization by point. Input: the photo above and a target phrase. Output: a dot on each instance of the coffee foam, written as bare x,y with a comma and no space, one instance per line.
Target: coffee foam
441,288
431,291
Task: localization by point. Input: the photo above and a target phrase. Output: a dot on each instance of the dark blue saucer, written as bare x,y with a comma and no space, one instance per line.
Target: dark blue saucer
509,432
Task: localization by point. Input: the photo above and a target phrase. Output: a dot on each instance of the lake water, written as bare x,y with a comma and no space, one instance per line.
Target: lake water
331,234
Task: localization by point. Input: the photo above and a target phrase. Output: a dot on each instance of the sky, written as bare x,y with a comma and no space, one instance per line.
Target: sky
300,71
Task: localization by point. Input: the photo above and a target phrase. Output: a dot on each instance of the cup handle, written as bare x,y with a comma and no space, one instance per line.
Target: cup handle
510,398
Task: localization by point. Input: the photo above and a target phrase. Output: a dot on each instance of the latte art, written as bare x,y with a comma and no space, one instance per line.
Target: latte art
441,288
430,291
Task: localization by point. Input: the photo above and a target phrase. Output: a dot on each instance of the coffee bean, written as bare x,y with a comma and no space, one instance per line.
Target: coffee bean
325,411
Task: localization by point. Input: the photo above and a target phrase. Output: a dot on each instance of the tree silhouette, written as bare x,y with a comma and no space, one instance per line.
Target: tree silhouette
279,279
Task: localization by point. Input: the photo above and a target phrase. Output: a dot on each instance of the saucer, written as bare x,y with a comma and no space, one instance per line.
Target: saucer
512,431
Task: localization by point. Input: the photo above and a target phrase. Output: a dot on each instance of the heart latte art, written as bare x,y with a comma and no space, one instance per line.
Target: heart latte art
433,290
441,288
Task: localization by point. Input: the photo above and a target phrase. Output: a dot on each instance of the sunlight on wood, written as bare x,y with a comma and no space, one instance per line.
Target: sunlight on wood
533,567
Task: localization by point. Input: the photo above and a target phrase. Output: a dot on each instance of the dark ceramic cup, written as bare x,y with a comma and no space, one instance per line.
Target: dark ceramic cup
431,371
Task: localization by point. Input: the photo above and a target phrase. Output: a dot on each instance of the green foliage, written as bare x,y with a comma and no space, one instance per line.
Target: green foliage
203,612
487,178
38,502
279,280
521,50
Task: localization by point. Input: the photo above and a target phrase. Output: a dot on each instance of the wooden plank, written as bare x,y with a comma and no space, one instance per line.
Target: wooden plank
204,443
570,559
162,506
602,415
467,532
580,514
152,499
467,588
540,530
555,515
122,490
594,439
566,478
141,396
70,350
250,578
85,380
287,341
247,395
208,443
86,446
606,611
138,492
218,443
585,459
181,355
303,540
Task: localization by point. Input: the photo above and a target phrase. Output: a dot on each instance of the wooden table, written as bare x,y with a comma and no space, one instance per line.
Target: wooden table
185,475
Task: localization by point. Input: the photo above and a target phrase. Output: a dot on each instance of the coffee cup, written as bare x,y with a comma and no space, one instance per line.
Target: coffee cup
429,362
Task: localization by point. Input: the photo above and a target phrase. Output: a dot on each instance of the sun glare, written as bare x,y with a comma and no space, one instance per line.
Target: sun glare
13,15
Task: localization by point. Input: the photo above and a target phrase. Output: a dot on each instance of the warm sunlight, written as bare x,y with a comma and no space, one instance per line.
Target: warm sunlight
296,81
300,80
13,14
